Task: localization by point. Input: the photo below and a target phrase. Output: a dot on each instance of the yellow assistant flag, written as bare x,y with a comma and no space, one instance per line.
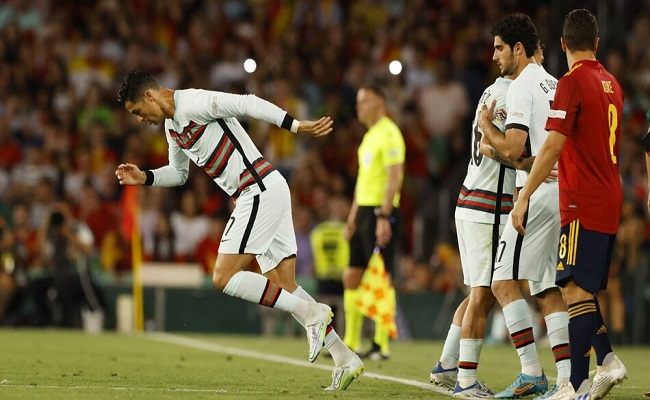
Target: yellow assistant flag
376,294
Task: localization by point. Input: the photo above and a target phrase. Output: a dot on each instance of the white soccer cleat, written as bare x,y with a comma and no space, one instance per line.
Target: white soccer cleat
320,315
343,376
563,391
611,373
477,390
444,377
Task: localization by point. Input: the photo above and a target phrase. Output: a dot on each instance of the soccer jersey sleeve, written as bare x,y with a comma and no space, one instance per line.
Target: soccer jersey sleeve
173,174
565,106
225,105
500,114
519,104
395,150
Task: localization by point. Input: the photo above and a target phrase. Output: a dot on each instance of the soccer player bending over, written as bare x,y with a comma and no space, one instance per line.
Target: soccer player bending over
202,126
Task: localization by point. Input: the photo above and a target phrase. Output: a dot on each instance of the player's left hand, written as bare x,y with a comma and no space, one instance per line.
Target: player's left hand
129,174
518,214
318,128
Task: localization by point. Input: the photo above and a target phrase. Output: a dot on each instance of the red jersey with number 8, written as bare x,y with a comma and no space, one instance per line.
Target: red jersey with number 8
587,109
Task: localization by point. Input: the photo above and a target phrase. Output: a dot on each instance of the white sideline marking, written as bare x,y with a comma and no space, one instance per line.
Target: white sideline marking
144,389
217,348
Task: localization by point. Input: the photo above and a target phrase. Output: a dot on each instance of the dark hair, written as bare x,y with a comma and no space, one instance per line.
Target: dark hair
515,28
376,88
580,30
134,84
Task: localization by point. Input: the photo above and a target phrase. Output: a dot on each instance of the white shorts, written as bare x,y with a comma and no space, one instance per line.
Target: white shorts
262,224
533,256
475,244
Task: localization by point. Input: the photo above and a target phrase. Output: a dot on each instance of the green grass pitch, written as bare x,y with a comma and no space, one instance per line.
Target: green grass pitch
53,364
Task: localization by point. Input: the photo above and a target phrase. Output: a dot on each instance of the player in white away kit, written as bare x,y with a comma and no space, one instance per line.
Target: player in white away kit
482,208
532,257
201,126
482,177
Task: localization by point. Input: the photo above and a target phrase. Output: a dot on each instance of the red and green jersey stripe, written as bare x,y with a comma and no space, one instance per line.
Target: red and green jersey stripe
190,135
261,167
219,157
484,200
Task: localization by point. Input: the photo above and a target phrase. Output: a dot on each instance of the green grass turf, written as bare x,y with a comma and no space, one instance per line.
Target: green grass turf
50,364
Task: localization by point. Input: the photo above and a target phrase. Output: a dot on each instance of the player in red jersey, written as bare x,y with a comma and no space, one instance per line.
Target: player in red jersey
584,131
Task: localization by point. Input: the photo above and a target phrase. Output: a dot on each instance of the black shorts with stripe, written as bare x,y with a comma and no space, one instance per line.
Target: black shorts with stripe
362,242
584,257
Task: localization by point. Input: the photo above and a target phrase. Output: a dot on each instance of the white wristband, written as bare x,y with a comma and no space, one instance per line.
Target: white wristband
294,126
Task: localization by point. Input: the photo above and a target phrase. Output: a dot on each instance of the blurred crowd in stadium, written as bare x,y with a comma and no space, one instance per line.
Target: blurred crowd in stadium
63,133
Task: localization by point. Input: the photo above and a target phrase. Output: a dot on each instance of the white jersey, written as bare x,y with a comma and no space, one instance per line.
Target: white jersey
532,257
528,105
205,130
486,194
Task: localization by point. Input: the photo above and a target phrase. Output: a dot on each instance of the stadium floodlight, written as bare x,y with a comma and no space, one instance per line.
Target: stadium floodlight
395,67
250,65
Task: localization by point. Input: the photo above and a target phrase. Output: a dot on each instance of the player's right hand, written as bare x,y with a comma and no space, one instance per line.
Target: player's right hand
486,115
129,174
518,214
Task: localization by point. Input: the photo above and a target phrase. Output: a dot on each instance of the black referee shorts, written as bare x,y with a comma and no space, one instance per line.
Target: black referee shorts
362,243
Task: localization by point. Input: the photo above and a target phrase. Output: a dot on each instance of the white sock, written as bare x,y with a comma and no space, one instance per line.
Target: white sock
451,348
341,354
557,328
519,321
469,354
258,289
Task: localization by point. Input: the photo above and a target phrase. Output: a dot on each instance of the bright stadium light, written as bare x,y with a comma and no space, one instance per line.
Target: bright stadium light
250,65
395,67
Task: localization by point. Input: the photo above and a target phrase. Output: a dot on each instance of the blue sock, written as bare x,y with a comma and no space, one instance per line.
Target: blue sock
601,344
582,323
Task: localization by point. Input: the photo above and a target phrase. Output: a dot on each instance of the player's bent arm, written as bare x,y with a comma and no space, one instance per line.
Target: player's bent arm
225,105
509,145
166,176
174,174
489,151
544,163
525,164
